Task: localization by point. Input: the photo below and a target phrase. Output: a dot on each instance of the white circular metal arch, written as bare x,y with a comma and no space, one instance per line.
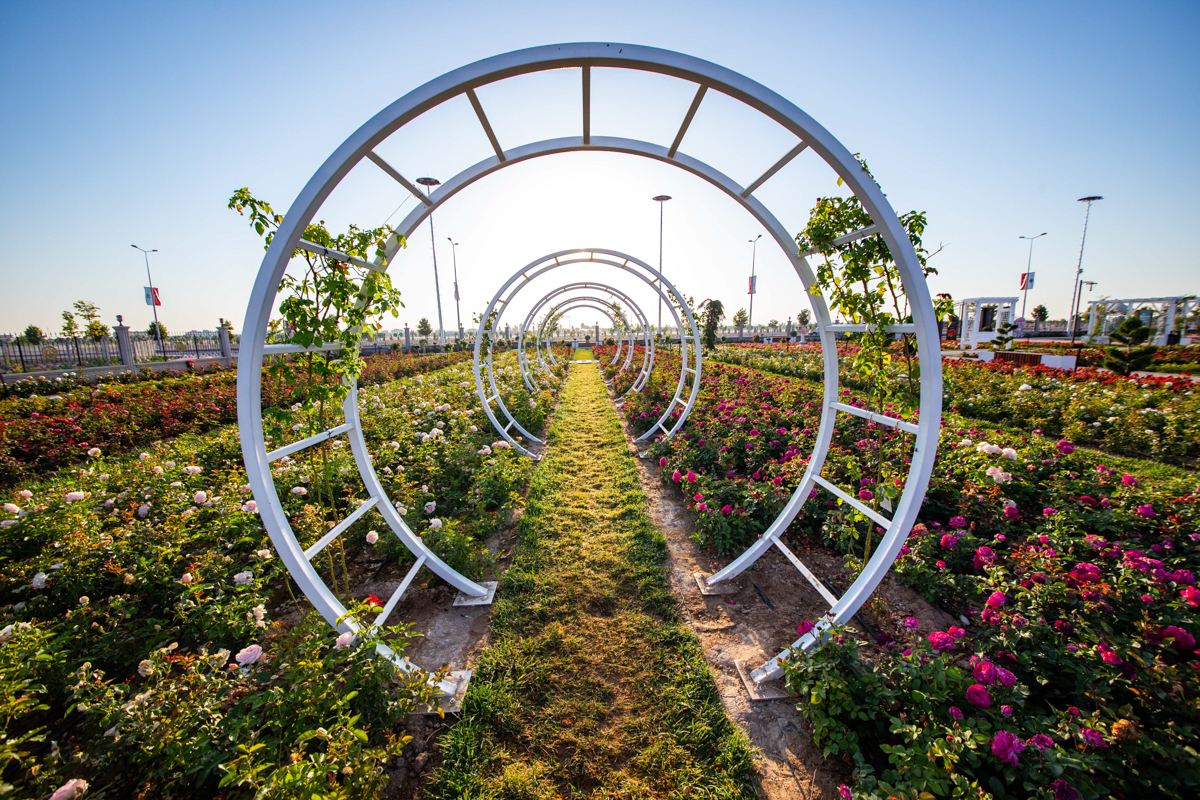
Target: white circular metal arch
624,331
643,322
586,57
490,320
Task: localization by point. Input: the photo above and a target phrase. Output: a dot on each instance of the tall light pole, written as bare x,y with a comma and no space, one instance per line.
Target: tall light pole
753,253
1075,287
457,308
429,183
661,200
1028,266
153,299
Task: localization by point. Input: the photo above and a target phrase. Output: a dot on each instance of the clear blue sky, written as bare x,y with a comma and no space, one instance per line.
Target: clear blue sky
133,122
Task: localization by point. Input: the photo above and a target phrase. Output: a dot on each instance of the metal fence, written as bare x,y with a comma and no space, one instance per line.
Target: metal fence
177,347
49,354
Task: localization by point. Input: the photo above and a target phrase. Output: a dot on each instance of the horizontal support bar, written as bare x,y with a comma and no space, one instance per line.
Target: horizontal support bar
282,349
324,541
854,502
862,327
891,422
804,570
337,255
854,236
296,447
400,590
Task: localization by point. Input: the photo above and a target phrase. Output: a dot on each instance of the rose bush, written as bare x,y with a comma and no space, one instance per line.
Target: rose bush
1076,571
133,581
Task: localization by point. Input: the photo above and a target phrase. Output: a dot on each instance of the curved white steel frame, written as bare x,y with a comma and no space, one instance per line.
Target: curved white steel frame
627,263
616,319
647,341
629,333
620,324
586,57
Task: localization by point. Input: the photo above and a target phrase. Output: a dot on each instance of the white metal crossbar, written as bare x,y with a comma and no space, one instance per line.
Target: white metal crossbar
341,527
891,422
854,501
283,349
296,447
396,595
487,126
853,236
829,596
687,120
778,165
337,255
395,175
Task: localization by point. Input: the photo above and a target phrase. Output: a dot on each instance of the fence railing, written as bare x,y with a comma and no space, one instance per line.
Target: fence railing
50,354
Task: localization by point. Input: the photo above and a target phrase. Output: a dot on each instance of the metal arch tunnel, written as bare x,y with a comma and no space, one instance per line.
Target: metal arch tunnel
586,57
689,335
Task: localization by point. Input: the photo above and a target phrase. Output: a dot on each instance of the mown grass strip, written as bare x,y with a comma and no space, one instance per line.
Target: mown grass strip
592,686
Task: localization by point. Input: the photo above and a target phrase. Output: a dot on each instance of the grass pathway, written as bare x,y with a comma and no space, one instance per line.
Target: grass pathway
592,686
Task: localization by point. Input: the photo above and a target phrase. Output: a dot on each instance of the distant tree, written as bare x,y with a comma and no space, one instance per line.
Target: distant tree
802,318
161,333
741,318
712,312
97,330
1128,355
1040,315
70,328
33,334
423,327
89,311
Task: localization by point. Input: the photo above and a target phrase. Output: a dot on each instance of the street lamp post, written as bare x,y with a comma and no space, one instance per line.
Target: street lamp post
753,253
429,183
457,307
1028,266
153,300
1075,287
661,200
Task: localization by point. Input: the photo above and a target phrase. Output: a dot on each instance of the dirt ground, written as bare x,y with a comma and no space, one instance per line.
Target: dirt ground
743,626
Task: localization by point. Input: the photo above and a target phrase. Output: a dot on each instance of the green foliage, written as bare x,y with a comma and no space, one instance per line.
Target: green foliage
423,327
1128,355
1003,338
1040,313
802,318
70,328
156,330
33,334
90,312
97,330
712,312
307,719
741,318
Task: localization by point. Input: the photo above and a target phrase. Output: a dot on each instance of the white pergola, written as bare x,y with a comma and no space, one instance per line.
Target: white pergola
591,59
972,316
1164,311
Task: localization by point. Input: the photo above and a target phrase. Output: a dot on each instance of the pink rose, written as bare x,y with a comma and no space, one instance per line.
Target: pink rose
249,655
804,627
940,641
996,599
76,787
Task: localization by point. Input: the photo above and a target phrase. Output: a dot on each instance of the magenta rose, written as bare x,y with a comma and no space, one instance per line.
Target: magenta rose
958,522
1179,637
1006,746
949,540
978,696
1041,741
1093,737
996,599
985,672
940,641
804,627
